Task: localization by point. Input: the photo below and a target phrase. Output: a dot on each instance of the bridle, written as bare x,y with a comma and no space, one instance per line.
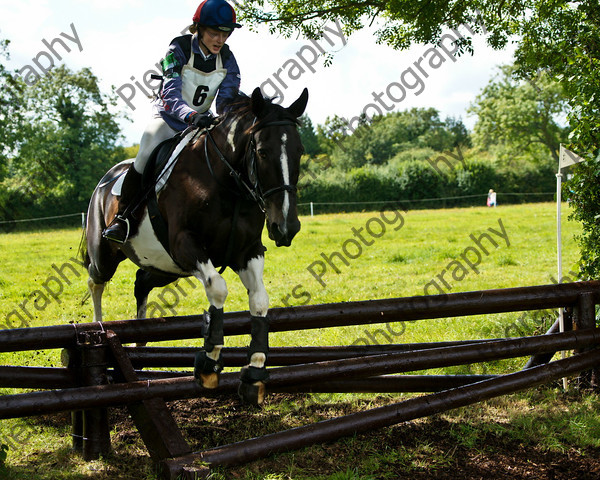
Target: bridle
252,190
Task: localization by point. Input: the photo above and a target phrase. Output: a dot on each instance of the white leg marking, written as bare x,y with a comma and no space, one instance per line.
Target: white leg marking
215,353
258,360
258,299
96,290
214,284
252,278
285,170
231,134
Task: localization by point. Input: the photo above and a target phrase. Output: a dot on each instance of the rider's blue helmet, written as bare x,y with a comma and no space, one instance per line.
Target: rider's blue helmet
217,14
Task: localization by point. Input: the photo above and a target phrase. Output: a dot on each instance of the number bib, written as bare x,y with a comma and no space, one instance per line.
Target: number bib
199,88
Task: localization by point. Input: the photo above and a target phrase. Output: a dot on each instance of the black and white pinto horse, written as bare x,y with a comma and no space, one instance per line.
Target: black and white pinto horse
224,185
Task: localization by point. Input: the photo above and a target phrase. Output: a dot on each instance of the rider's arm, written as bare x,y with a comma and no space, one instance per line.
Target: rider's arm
172,100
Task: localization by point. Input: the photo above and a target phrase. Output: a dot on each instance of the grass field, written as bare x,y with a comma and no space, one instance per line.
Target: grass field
334,258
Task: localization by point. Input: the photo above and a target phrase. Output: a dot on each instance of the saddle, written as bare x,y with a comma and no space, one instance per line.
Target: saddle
156,173
155,176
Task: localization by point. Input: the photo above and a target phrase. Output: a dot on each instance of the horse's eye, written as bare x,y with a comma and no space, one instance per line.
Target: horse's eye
262,153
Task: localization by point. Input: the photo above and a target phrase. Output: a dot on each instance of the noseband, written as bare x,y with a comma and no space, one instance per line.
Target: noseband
253,190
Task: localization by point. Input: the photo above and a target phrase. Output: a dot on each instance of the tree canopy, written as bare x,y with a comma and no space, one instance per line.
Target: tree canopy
520,118
59,136
556,38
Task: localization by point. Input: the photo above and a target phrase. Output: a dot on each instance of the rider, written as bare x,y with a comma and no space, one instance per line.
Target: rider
195,68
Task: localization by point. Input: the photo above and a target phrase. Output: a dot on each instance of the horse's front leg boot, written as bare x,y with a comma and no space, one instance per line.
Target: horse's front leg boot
252,388
206,370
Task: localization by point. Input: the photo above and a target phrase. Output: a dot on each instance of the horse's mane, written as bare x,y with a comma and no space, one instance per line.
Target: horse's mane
241,105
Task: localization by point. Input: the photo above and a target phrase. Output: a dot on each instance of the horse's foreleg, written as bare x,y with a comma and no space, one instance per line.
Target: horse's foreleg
255,373
96,290
209,362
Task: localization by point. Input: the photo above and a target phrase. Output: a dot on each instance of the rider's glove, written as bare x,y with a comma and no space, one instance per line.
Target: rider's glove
201,120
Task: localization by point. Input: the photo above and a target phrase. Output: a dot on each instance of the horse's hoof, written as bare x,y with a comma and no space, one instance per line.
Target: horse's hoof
252,387
206,370
252,393
210,380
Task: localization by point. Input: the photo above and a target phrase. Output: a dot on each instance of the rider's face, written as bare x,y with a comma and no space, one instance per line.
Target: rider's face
213,39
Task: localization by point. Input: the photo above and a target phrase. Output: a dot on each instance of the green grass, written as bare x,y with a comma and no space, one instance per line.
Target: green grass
407,251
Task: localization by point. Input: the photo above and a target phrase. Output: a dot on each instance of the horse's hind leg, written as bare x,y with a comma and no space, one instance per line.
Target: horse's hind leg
144,283
101,259
254,375
96,290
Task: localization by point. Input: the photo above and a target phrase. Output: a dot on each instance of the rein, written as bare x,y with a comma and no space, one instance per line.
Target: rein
253,191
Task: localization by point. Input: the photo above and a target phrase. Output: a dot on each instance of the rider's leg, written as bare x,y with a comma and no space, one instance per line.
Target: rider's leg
156,132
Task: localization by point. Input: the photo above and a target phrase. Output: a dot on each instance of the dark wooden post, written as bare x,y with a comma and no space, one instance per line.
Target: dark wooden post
96,432
584,317
151,416
71,359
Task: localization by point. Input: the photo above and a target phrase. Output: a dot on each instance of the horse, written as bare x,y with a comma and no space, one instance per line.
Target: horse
227,182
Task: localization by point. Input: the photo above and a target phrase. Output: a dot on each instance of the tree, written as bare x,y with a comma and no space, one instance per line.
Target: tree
387,135
560,37
10,118
67,140
520,117
308,136
401,22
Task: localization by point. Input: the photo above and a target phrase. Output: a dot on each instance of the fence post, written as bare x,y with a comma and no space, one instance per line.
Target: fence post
96,432
71,358
584,317
312,212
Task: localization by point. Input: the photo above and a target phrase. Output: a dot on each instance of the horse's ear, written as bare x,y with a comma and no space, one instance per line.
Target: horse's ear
258,102
297,108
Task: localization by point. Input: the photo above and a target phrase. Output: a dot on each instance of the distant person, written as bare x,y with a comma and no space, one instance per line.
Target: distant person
491,198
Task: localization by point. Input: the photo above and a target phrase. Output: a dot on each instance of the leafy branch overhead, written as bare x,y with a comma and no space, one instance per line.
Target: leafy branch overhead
557,41
398,23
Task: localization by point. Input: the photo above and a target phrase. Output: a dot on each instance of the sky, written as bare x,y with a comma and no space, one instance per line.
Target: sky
121,39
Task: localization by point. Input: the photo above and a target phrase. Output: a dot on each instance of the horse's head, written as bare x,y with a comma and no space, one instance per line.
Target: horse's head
275,165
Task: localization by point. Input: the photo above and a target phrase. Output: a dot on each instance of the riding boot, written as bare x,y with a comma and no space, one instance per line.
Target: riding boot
119,229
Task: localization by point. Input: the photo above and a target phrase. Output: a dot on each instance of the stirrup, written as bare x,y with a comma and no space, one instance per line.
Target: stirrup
106,233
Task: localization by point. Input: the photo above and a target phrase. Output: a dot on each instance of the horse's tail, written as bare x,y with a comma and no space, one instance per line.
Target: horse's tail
82,251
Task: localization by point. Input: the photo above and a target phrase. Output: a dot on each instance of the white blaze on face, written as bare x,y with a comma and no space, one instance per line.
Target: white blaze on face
231,134
285,170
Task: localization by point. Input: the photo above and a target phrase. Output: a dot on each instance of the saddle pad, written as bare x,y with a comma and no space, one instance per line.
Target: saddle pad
168,168
164,174
116,188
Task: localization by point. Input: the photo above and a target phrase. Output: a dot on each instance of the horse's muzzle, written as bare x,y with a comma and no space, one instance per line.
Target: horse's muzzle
283,233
